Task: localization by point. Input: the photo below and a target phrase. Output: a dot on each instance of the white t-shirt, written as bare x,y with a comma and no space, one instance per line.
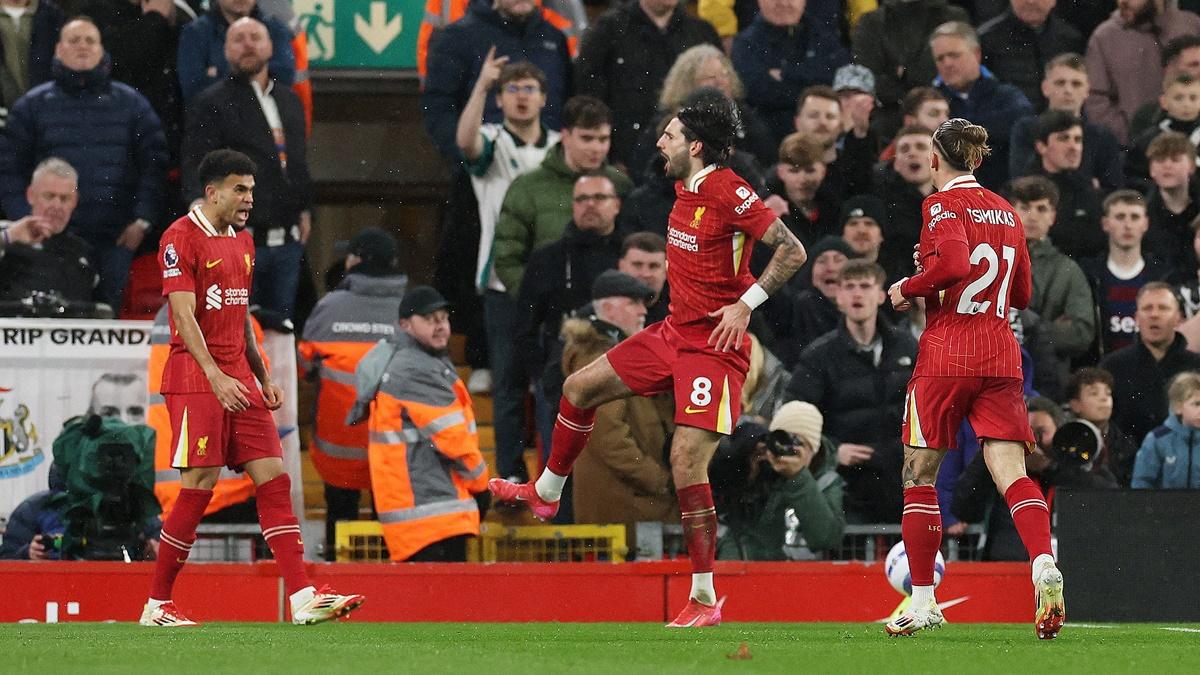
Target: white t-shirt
504,158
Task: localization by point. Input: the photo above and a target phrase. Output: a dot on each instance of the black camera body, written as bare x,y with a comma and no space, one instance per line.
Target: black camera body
779,443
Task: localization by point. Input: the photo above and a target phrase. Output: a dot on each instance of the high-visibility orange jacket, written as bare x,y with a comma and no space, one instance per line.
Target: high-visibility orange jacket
439,13
232,487
423,449
344,326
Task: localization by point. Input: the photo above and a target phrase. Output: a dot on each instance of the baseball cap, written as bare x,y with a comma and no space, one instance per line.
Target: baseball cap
421,300
864,206
613,283
854,77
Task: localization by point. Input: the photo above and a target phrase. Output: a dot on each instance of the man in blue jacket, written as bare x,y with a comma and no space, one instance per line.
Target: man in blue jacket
456,54
109,133
201,59
975,94
780,54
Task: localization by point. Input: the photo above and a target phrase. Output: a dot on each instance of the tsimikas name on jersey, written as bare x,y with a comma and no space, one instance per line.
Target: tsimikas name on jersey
992,216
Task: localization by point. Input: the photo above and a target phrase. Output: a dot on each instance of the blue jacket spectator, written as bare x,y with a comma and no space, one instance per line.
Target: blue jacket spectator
35,516
778,57
976,94
1169,458
202,50
48,19
107,131
456,54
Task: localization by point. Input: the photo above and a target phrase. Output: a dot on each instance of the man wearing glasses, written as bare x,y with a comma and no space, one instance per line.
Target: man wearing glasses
559,277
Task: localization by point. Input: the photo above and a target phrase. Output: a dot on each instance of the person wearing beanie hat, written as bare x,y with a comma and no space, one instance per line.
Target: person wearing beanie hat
855,87
761,475
800,419
864,219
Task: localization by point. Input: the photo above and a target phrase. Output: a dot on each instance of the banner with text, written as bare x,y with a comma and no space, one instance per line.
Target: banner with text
52,370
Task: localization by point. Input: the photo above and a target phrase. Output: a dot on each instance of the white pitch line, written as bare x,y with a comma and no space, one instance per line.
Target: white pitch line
1181,630
1088,625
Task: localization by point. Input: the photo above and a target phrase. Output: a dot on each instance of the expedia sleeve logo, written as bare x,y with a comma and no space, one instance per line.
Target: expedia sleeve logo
935,209
748,198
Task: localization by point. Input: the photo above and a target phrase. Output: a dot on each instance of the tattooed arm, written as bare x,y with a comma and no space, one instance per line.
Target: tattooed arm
789,256
734,319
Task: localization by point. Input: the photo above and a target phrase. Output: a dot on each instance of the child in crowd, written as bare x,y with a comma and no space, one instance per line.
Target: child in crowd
1090,398
1180,101
1170,456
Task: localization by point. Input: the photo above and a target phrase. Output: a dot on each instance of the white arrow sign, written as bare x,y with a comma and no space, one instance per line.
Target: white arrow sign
379,32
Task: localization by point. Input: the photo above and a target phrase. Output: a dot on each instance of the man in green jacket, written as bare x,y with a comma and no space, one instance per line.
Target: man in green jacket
775,505
1062,297
537,205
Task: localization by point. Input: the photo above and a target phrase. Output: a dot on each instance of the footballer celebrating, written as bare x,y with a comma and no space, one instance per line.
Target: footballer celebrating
700,351
219,417
973,266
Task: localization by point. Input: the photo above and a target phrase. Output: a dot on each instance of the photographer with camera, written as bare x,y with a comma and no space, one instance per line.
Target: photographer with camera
777,490
40,262
34,530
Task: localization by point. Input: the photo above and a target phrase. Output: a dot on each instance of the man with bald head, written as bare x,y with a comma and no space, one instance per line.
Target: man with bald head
202,57
109,133
250,112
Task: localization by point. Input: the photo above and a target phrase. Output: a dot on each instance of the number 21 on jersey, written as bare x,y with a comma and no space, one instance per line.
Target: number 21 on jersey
975,297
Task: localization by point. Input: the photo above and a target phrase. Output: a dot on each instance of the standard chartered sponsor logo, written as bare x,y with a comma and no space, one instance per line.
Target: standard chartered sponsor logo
212,297
682,240
215,297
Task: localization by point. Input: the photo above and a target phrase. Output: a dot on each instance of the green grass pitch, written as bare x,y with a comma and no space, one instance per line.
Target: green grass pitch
621,648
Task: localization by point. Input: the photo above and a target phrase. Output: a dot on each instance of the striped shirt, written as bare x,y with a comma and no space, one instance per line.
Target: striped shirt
967,332
710,234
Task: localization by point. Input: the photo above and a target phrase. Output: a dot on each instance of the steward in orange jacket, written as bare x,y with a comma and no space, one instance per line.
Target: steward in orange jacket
423,447
344,326
232,488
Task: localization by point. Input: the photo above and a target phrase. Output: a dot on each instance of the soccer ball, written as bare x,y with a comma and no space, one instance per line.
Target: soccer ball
896,569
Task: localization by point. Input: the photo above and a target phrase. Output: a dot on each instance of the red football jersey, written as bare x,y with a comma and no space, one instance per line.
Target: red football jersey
710,234
217,267
967,332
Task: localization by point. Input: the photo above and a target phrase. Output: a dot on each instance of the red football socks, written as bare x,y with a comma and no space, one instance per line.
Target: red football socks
176,539
699,519
571,432
921,526
282,531
1030,514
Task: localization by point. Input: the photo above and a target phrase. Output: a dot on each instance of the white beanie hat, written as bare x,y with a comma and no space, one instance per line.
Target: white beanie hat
802,419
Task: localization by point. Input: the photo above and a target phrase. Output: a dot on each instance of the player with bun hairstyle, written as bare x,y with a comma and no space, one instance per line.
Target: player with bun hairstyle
700,351
972,269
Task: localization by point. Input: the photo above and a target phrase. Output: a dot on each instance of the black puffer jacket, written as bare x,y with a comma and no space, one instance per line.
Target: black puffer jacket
862,403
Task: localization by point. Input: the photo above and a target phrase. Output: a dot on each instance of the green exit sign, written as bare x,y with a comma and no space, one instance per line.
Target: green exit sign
360,33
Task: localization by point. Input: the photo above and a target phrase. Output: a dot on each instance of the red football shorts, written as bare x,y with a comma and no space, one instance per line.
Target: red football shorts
668,356
205,434
935,407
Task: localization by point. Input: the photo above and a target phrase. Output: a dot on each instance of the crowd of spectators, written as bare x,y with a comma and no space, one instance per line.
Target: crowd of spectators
1092,110
1092,119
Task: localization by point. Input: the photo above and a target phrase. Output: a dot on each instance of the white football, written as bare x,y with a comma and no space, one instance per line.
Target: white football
896,569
